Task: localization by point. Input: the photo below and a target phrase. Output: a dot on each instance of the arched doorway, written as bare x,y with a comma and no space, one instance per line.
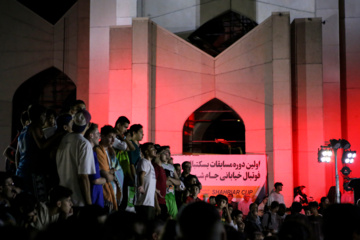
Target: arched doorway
50,88
214,128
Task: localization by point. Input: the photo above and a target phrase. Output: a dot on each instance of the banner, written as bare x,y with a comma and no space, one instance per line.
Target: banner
225,174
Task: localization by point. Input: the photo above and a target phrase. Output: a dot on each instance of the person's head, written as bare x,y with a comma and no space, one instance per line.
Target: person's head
81,121
76,106
60,198
7,186
186,167
278,186
231,208
190,179
93,134
230,197
24,118
137,132
253,206
212,200
282,209
199,220
221,201
246,197
307,210
122,124
163,154
265,200
26,204
108,134
237,216
274,207
296,207
177,168
324,202
37,114
313,207
50,118
194,189
148,150
167,151
64,122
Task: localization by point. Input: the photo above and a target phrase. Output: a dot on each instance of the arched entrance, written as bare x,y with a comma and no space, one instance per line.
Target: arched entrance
214,128
50,88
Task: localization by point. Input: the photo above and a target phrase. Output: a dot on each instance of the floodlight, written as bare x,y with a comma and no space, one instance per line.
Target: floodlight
348,156
324,154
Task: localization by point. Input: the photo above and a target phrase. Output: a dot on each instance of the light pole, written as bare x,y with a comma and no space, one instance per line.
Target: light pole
324,155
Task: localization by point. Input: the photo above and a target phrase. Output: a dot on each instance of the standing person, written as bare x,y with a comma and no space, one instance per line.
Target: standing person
186,167
270,219
122,141
172,181
244,205
230,199
76,106
222,207
75,160
160,185
30,157
110,168
300,195
136,134
96,181
122,145
276,195
10,150
146,183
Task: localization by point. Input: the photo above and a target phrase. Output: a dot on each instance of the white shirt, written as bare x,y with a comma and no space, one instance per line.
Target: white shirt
73,157
148,198
274,196
119,145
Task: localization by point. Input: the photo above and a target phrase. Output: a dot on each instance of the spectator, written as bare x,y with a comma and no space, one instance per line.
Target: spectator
96,181
222,207
110,169
276,195
10,150
160,185
136,134
245,204
172,181
194,192
270,219
237,220
146,183
230,198
7,189
58,208
75,160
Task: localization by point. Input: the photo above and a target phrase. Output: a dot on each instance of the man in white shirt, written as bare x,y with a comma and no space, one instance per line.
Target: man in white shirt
75,160
276,195
146,183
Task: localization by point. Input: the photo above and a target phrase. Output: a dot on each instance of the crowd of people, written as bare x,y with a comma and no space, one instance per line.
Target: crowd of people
66,178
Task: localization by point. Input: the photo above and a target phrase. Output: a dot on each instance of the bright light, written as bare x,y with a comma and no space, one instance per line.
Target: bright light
348,156
324,154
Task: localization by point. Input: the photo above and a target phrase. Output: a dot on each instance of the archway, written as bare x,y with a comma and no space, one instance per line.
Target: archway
50,88
214,128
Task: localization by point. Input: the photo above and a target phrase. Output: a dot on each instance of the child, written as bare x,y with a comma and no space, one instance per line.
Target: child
194,192
222,207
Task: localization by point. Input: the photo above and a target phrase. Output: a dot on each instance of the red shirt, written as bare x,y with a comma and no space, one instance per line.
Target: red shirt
190,199
160,182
